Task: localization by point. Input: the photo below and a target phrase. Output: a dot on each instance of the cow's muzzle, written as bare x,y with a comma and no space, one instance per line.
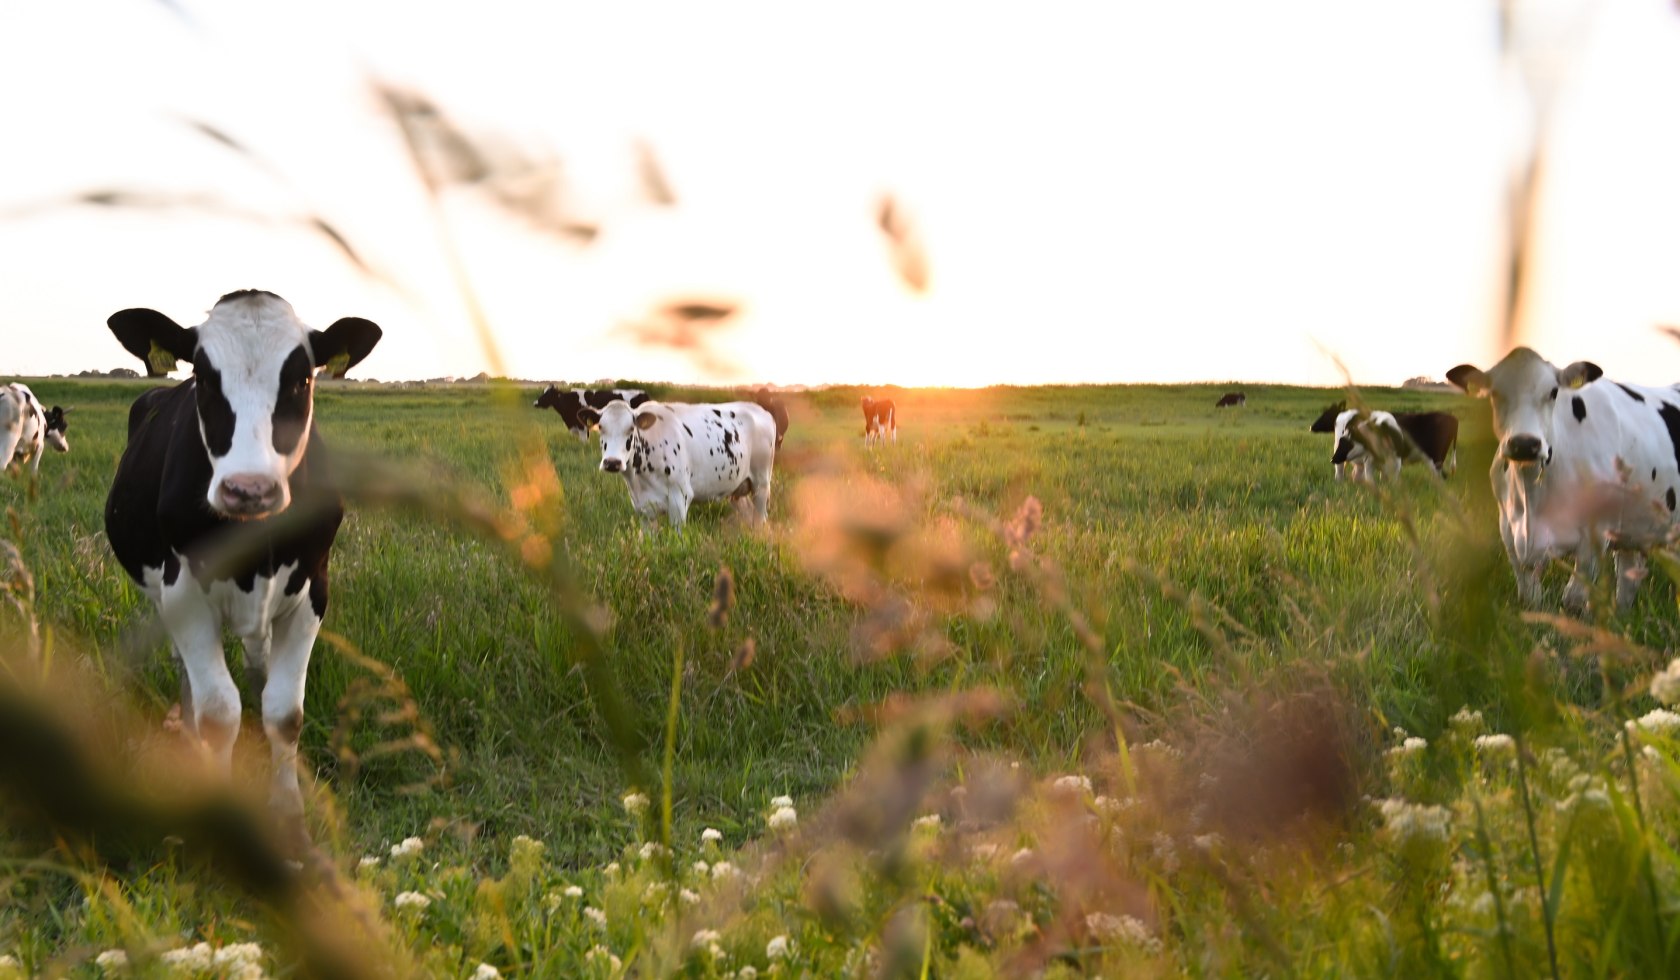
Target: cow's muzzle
612,465
1521,448
248,495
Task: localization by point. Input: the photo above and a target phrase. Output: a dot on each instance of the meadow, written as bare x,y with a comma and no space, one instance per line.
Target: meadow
1067,681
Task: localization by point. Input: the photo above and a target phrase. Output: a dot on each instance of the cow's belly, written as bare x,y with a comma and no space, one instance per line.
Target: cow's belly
720,477
245,613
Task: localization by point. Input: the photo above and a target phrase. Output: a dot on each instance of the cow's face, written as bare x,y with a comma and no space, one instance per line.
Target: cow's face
253,370
569,404
57,426
621,427
1523,390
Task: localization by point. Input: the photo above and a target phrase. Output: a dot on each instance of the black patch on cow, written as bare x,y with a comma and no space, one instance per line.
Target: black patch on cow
1636,396
1553,395
291,404
214,412
1579,408
245,294
717,413
688,430
1344,446
1671,498
1653,473
1671,419
667,471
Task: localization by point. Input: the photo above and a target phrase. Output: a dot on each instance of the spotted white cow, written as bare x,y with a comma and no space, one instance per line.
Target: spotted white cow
1583,465
671,454
26,429
230,449
1367,443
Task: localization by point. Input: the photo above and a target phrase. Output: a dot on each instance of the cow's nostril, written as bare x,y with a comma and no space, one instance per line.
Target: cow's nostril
1522,449
249,491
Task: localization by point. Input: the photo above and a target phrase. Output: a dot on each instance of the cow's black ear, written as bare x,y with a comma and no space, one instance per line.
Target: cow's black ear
342,346
1580,373
1469,379
154,338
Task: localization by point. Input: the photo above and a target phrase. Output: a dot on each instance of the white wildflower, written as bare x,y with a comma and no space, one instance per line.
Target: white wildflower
409,847
411,900
603,953
781,801
112,960
1022,856
1207,842
1411,745
486,972
572,891
1465,718
1658,721
1494,743
1122,929
653,849
655,892
701,868
779,948
711,835
1072,784
723,869
985,850
928,822
783,818
689,896
705,937
611,870
189,959
596,916
1483,904
1407,821
1665,687
1165,851
635,804
238,955
371,861
748,972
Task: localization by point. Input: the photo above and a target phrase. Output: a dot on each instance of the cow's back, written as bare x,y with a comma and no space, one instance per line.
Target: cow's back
1625,437
725,445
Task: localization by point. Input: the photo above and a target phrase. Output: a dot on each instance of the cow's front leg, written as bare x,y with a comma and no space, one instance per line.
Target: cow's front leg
282,706
1630,571
1339,468
1579,590
212,699
257,646
677,500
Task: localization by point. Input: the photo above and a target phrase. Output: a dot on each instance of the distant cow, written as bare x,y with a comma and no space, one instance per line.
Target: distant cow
772,403
671,454
1231,400
570,404
880,419
25,429
1583,465
232,448
1366,439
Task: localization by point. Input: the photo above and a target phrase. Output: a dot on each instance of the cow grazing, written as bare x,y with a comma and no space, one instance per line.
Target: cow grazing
880,419
25,429
772,403
1366,440
228,449
570,404
1231,400
1582,465
671,454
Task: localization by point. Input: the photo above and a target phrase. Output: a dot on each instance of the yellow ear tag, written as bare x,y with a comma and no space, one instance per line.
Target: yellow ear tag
336,367
159,361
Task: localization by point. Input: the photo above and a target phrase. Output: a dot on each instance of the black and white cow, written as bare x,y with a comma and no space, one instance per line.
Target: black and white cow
672,454
1583,465
570,404
1231,400
1366,440
26,429
230,449
880,419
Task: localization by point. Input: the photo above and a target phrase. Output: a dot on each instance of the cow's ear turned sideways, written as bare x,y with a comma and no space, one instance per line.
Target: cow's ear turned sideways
1580,373
588,416
154,338
645,420
1469,379
342,346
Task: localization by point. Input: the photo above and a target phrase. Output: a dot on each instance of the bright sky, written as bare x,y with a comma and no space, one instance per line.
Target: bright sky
1115,191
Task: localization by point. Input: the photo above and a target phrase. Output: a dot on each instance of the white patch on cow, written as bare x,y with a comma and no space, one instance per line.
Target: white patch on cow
672,454
247,340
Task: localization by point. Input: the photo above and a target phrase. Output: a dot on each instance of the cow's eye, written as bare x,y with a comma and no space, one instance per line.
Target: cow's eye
1553,395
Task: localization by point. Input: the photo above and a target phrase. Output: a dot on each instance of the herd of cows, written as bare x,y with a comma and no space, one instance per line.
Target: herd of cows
1584,466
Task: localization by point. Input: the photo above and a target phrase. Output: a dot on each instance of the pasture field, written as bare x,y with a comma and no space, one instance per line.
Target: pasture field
1068,680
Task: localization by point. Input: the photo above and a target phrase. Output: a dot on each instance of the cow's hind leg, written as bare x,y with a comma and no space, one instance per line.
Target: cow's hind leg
282,707
1630,571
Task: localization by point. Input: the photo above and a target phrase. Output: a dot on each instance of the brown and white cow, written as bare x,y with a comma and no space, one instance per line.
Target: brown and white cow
880,419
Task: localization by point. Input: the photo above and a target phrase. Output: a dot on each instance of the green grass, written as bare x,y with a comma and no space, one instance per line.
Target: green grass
1399,603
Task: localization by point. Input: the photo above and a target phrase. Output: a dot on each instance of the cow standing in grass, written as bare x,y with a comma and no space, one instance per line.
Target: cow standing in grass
211,462
26,429
570,405
1582,465
1365,441
672,454
880,419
